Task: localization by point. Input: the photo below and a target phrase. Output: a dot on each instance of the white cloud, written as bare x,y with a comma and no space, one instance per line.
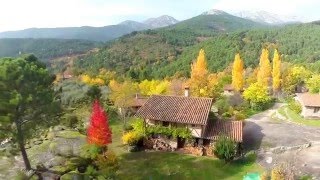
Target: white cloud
281,7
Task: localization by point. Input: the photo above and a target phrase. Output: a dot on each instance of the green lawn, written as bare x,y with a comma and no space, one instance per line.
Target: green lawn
165,165
117,145
294,117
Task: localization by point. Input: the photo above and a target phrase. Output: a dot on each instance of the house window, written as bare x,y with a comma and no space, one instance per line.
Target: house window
165,123
193,125
316,109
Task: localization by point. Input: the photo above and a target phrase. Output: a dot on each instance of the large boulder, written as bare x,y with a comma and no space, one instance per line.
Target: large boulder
57,161
65,150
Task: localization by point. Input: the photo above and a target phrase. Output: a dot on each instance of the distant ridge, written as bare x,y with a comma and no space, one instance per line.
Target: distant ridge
267,17
101,34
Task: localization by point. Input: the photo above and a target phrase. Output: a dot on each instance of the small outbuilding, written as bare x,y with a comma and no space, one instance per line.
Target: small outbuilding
310,104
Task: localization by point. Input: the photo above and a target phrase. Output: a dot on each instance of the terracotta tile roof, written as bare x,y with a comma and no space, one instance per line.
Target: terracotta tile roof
232,129
180,109
308,99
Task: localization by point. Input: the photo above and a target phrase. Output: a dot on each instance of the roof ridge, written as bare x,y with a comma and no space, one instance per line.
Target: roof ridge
208,98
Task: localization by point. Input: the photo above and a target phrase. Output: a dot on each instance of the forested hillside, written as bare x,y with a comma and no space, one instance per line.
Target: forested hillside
135,54
296,43
44,49
167,52
210,24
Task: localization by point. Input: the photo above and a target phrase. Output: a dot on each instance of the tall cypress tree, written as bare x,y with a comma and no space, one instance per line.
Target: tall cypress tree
264,73
276,71
199,75
237,73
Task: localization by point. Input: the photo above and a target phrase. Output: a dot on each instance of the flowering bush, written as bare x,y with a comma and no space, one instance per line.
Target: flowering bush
131,138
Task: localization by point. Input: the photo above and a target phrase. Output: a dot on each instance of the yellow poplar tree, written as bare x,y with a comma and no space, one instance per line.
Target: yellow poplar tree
264,72
199,76
276,71
237,73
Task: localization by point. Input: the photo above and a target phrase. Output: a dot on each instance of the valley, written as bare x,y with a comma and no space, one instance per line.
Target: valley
213,95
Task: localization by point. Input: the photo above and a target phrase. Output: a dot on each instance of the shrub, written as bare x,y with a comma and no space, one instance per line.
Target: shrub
108,160
90,151
222,105
225,148
181,132
239,116
91,171
138,125
170,131
294,106
128,127
278,173
131,138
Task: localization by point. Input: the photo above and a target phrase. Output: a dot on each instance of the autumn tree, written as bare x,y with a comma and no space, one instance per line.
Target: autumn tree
313,84
294,77
237,73
264,73
151,87
122,95
199,75
94,81
26,100
276,74
257,95
98,132
106,75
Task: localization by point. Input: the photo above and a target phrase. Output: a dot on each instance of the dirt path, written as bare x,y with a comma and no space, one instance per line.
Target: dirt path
280,141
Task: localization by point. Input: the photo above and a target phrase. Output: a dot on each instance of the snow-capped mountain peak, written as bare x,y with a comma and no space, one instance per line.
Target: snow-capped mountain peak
213,12
267,17
161,21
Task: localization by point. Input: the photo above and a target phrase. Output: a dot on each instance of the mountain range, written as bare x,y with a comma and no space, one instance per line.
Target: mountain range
107,33
267,17
104,33
167,50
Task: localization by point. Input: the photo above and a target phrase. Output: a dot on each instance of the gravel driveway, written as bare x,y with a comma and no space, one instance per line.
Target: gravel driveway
279,141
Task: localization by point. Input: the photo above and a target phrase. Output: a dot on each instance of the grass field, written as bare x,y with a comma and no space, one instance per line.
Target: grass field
165,165
294,117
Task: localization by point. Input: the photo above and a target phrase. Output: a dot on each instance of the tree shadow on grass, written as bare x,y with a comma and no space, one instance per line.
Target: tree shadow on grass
165,165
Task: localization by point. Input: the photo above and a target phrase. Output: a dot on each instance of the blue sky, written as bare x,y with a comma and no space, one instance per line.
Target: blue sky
21,14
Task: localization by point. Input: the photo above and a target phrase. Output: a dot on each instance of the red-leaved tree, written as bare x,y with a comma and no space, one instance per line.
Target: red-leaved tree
98,132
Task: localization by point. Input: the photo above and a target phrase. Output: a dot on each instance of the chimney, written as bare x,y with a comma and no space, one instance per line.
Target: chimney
186,91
